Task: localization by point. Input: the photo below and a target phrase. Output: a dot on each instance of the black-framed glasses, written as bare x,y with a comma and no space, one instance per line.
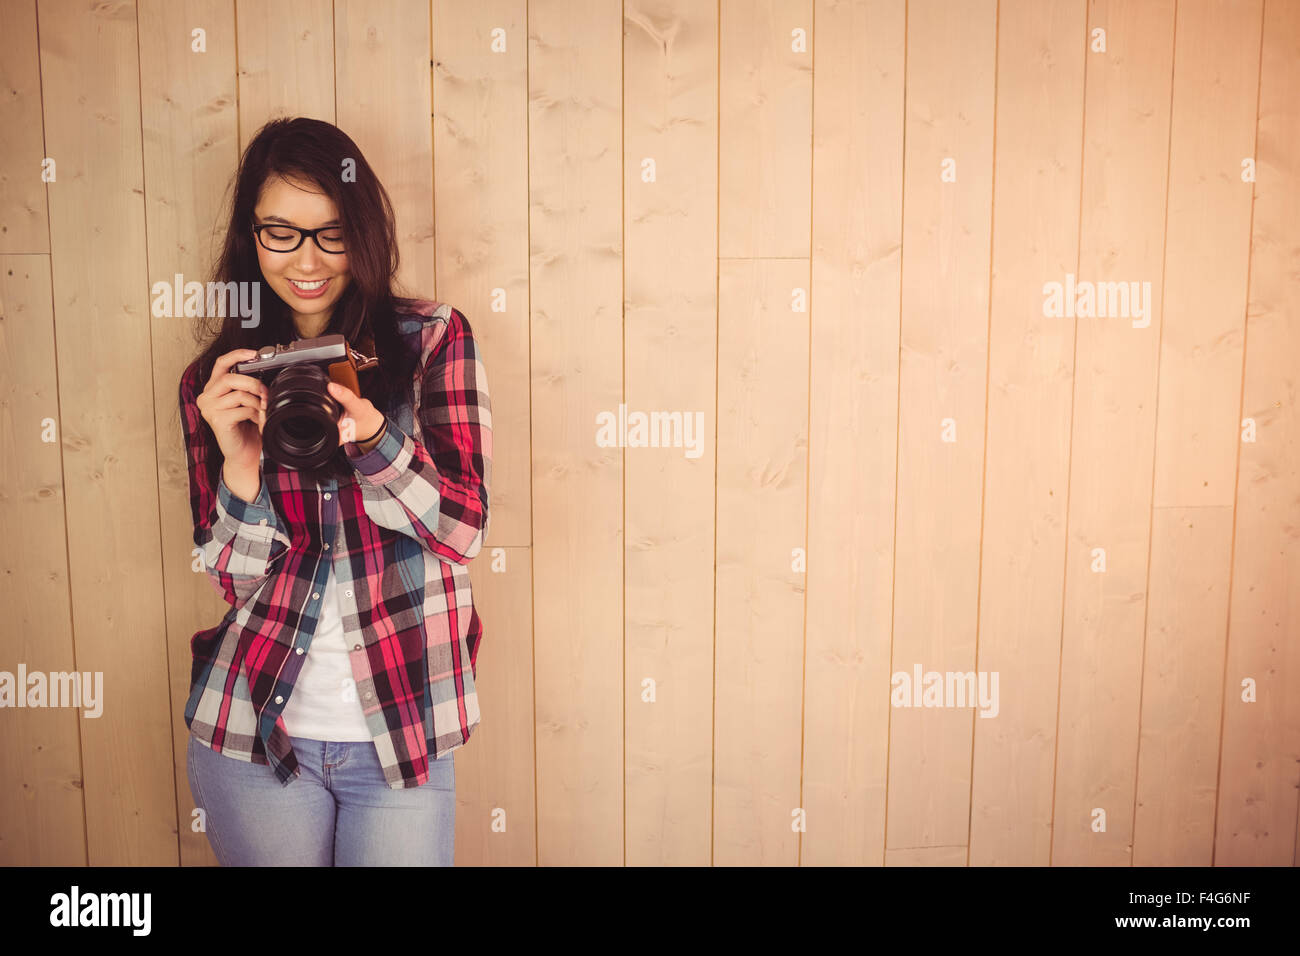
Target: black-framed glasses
277,237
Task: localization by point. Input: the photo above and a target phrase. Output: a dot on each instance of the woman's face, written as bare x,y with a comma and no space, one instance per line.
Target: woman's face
296,203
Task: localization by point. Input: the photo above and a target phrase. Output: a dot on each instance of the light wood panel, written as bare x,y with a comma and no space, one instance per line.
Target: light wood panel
480,146
91,98
670,120
764,125
1036,181
286,61
1126,148
24,219
927,856
762,511
191,149
1182,687
1259,766
943,359
1207,254
765,178
382,100
576,258
496,802
42,810
42,806
857,226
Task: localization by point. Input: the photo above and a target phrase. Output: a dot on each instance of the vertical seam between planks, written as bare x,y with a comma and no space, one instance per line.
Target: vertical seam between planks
1155,427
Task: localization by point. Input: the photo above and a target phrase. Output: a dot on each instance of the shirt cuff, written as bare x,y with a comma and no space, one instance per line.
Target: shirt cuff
254,519
385,460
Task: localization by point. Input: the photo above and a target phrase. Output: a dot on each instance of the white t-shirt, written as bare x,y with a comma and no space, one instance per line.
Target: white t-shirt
324,704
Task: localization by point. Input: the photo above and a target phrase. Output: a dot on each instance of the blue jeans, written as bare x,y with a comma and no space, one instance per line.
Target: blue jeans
339,812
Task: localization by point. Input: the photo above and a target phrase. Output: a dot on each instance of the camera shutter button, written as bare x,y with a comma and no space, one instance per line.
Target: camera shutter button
266,352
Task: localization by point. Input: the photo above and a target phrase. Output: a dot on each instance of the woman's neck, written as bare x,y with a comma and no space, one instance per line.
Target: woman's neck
311,326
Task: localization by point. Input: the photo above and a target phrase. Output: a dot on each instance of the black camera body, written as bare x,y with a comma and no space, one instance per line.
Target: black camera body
301,428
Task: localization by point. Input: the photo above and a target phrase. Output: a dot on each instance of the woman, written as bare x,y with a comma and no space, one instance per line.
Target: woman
324,708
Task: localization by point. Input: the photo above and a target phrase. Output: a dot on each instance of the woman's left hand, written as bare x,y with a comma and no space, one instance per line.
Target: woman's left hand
360,418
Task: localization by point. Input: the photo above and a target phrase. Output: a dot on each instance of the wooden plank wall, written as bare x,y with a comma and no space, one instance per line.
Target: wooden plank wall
825,232
1127,104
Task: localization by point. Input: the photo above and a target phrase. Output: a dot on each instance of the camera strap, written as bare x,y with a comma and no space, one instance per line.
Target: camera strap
363,361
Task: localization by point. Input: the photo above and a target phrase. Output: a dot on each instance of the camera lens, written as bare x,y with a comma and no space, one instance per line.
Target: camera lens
301,429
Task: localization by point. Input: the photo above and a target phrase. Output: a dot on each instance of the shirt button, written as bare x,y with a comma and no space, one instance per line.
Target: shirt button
300,650
315,595
369,695
327,547
327,496
279,699
356,647
348,593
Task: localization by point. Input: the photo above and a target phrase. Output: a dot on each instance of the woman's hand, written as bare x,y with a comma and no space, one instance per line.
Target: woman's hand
360,418
234,406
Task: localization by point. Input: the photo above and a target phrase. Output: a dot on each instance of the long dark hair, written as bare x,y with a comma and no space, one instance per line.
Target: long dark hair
314,151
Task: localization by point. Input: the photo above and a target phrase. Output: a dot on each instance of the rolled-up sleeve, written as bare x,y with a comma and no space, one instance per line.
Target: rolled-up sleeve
436,490
239,540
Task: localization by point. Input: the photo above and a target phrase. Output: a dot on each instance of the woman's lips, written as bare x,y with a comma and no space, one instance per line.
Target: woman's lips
310,293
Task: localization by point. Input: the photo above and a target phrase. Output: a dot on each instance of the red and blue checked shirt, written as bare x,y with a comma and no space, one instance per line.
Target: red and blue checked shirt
399,535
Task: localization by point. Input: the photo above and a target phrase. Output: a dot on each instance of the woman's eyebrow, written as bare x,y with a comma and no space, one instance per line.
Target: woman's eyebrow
332,222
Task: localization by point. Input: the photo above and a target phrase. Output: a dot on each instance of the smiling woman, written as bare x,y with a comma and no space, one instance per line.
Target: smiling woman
340,756
306,264
326,247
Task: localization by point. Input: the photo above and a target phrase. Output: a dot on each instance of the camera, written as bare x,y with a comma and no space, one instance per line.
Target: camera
301,429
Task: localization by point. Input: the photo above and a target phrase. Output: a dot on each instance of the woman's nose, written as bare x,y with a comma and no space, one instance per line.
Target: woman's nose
308,257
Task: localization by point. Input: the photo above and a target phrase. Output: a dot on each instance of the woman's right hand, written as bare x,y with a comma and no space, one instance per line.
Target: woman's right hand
234,406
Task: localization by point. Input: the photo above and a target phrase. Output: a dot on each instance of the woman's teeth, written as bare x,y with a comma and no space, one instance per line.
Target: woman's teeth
309,286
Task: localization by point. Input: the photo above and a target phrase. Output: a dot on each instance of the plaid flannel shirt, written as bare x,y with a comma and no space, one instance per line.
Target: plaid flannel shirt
400,536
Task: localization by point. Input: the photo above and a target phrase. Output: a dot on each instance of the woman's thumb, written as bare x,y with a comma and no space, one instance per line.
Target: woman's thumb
342,393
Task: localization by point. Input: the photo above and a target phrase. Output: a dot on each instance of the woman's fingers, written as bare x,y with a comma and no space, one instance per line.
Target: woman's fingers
245,382
225,418
223,363
236,397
